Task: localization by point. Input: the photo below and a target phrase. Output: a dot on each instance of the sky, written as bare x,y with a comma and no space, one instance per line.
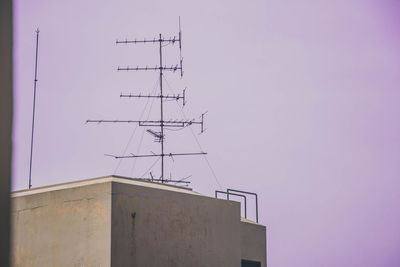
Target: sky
302,100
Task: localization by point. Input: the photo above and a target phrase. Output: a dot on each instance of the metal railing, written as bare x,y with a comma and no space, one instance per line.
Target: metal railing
243,194
234,194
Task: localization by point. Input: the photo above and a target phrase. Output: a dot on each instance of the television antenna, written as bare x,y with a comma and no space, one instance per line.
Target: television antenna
159,136
34,108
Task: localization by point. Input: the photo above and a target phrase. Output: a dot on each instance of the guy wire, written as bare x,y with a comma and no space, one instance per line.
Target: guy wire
195,137
133,133
141,138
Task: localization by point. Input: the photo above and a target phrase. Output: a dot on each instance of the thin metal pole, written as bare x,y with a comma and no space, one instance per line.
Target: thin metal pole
34,105
162,115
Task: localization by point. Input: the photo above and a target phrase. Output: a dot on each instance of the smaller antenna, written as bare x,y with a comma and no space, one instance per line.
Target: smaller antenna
157,135
184,97
180,47
34,105
202,122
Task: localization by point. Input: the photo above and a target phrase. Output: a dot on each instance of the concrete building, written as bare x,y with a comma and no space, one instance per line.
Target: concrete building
116,221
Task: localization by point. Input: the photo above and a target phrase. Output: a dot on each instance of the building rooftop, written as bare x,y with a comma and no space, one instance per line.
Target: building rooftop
104,179
111,178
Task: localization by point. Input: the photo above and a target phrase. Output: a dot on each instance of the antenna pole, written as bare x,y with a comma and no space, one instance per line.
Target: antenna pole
162,115
34,105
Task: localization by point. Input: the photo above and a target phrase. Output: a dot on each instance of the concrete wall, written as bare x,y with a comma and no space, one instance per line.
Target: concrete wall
253,242
110,221
173,229
6,104
68,227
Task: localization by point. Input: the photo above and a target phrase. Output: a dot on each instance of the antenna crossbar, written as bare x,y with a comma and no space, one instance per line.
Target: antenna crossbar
176,97
154,40
156,155
172,97
155,123
165,180
171,68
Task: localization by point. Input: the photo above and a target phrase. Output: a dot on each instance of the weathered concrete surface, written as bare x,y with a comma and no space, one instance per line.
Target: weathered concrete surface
253,242
118,222
173,229
68,227
6,91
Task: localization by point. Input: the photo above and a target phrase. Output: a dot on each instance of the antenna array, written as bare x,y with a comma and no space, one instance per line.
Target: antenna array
159,136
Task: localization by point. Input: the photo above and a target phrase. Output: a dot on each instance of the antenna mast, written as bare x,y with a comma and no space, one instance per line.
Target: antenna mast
162,114
34,105
159,136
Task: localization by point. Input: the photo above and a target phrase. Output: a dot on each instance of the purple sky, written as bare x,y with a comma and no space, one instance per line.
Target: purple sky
303,104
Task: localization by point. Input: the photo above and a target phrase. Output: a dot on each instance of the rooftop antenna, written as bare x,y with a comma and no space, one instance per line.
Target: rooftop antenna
161,123
34,105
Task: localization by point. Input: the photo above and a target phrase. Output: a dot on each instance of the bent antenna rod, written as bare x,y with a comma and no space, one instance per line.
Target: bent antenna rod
161,123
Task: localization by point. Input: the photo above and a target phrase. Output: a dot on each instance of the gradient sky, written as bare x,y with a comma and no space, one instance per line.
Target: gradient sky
302,99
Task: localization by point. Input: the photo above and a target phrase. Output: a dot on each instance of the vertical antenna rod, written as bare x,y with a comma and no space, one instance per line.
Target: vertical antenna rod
34,104
162,117
180,47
